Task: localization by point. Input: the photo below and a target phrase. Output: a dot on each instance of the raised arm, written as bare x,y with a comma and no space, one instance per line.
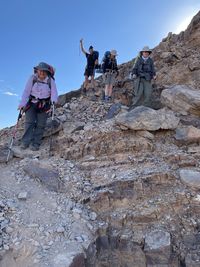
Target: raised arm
82,48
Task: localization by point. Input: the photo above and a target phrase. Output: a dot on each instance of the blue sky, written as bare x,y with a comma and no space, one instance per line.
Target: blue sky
49,30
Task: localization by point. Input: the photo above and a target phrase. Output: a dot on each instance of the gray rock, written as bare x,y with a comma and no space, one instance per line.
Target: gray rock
194,149
62,99
192,260
6,247
158,247
146,134
52,127
4,224
77,213
182,98
93,216
157,239
71,127
144,118
46,175
60,229
190,178
62,118
78,261
22,195
79,238
113,111
188,134
9,230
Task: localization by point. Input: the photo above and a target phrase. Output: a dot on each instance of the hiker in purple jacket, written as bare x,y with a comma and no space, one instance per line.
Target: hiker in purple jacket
40,92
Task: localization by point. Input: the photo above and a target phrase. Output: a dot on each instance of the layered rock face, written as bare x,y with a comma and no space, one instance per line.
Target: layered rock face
118,188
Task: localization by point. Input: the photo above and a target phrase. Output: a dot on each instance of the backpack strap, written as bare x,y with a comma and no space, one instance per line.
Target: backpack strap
49,82
95,55
35,80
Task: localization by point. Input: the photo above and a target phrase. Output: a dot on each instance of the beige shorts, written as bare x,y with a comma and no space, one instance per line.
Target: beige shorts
110,78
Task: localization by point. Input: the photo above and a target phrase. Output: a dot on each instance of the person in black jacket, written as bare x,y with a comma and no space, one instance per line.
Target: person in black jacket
92,61
143,72
110,71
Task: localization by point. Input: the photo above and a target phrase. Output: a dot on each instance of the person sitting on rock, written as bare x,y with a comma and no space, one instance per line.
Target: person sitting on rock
39,93
110,71
92,62
143,72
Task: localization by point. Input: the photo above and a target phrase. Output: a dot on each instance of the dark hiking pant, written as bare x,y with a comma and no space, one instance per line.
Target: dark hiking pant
143,92
35,122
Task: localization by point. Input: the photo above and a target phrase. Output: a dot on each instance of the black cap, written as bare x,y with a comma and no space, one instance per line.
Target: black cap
91,47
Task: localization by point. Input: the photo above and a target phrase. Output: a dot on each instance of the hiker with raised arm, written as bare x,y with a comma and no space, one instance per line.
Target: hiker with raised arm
143,72
92,61
40,92
110,71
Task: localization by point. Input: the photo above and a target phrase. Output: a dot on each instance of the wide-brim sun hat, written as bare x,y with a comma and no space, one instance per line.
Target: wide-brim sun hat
113,52
42,66
146,49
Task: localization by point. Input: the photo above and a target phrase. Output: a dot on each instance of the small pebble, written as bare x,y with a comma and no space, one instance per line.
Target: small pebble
22,196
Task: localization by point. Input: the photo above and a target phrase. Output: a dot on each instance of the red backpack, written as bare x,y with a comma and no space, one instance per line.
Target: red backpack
52,71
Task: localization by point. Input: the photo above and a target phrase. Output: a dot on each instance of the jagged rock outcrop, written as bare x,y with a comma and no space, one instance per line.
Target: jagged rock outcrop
182,99
177,57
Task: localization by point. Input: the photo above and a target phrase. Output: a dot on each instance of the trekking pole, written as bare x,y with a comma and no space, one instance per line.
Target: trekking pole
52,119
14,135
53,111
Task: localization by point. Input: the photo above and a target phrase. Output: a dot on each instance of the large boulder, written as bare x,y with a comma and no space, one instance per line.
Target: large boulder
182,99
144,118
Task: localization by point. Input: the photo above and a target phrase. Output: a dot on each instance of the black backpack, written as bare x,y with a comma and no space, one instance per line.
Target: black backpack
95,55
106,56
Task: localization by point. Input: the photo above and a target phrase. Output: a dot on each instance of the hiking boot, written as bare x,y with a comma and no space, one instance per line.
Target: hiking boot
35,147
24,146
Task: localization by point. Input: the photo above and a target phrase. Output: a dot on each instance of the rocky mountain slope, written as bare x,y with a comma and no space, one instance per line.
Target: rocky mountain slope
119,188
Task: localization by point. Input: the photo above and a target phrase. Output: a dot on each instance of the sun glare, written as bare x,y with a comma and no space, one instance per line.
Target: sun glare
184,23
